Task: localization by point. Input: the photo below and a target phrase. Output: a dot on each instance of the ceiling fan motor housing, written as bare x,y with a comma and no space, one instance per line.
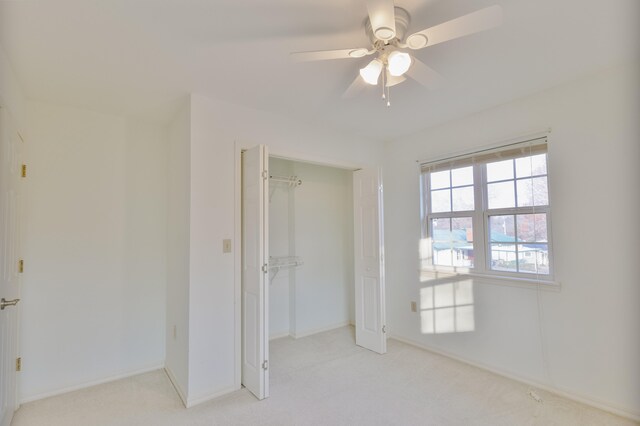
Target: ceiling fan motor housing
402,20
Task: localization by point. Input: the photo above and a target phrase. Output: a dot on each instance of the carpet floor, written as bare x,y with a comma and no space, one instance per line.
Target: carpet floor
325,379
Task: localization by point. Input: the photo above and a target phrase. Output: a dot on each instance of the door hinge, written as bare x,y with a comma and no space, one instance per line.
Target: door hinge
265,175
265,268
21,266
265,365
19,364
23,173
384,328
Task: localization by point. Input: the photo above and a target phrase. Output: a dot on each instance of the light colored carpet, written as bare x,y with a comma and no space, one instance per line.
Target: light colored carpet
326,380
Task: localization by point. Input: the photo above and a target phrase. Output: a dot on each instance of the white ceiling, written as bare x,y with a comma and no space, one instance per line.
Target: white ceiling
138,57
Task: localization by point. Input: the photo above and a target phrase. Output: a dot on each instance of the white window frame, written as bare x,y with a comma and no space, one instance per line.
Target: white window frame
480,222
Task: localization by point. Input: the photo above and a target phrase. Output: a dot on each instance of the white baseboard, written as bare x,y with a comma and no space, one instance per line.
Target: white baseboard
66,389
320,330
602,405
199,400
176,386
279,335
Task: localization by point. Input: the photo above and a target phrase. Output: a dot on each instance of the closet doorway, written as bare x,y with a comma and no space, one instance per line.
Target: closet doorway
310,256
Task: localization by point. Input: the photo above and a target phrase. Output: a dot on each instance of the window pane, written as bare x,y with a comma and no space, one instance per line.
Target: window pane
526,227
450,241
532,227
531,166
441,229
503,257
501,170
501,195
462,232
462,228
533,258
441,201
525,192
540,191
541,227
462,176
502,229
442,254
440,180
462,198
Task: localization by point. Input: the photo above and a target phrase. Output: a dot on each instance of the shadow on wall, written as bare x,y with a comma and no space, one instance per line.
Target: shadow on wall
446,304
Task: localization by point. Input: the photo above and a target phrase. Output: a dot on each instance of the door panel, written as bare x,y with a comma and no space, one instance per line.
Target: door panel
10,192
369,267
255,296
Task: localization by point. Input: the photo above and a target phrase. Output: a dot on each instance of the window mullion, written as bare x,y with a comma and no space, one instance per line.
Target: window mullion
479,230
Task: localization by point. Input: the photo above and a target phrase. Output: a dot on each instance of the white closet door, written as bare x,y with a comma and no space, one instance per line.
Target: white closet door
369,267
10,182
255,255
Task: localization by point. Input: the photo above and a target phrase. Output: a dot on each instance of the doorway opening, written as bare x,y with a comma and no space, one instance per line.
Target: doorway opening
310,256
310,248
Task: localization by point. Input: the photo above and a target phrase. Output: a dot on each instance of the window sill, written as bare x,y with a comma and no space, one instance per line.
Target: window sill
462,273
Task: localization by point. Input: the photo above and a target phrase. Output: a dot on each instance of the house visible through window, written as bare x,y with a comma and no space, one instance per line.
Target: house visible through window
488,212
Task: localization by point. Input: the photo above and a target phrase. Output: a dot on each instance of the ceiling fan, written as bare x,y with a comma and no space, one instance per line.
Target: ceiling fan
386,27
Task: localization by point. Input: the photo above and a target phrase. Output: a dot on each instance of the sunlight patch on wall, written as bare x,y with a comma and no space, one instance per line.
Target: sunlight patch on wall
447,308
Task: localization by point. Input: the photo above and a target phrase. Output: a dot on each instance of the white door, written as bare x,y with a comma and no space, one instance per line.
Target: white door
369,266
255,255
10,175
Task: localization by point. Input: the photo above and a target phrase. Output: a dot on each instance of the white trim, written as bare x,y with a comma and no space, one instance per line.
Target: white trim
191,402
237,260
320,330
287,154
176,386
275,336
626,412
83,385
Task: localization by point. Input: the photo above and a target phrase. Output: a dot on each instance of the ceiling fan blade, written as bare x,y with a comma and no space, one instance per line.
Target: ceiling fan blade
474,22
322,55
383,18
354,88
425,75
393,80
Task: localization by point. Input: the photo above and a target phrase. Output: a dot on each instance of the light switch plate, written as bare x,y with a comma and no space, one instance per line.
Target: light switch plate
226,246
414,307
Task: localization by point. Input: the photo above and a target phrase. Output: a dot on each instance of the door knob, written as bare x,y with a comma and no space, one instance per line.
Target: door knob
4,303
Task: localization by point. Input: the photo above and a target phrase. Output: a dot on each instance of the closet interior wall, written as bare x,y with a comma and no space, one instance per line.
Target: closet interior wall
313,221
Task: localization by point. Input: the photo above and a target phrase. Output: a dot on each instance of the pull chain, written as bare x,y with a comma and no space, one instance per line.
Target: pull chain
388,96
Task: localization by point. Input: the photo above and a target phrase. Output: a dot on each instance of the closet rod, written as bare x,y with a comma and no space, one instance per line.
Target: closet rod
291,180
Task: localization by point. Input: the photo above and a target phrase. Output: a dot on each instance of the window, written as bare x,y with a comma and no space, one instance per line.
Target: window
488,212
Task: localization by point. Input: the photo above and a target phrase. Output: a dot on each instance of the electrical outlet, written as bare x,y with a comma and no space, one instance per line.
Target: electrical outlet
175,332
414,307
226,246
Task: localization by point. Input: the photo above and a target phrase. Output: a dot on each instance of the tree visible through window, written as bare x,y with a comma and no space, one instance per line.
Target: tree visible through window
488,211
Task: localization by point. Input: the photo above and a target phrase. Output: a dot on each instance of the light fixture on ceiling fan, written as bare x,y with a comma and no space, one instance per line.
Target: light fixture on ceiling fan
386,27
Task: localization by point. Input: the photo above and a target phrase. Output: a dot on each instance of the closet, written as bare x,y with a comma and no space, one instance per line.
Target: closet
310,258
311,254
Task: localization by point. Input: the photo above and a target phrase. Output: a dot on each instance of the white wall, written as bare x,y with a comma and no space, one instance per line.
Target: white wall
323,217
95,248
313,221
178,207
11,96
215,126
590,327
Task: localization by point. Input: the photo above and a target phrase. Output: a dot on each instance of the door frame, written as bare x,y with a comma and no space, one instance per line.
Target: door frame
285,154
